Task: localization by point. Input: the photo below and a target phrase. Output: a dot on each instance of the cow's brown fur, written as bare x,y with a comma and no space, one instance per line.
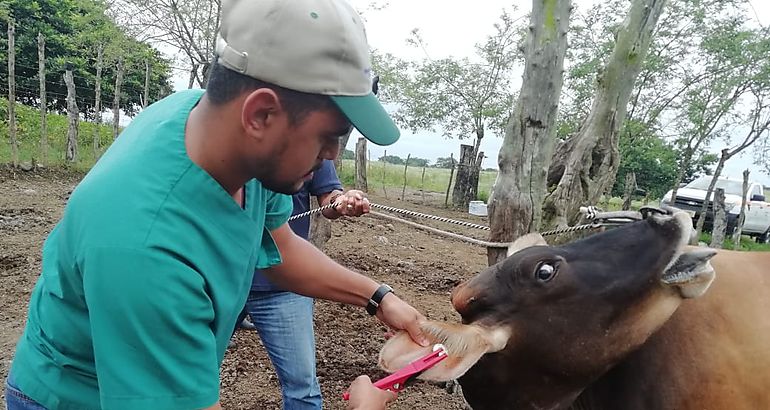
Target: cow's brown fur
713,353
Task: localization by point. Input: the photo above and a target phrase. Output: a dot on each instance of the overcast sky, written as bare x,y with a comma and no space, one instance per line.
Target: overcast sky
452,29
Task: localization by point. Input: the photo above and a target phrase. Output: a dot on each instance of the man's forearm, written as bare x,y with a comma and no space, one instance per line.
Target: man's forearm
307,271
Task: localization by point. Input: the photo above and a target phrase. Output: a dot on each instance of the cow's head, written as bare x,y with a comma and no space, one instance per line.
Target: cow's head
560,316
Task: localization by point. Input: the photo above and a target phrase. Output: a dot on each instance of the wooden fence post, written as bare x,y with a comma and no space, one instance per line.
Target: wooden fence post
43,105
742,216
12,93
720,219
451,174
384,191
406,165
98,98
72,116
422,185
628,192
116,100
361,183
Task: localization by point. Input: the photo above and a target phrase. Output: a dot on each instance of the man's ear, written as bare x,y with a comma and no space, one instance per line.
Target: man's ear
465,344
261,110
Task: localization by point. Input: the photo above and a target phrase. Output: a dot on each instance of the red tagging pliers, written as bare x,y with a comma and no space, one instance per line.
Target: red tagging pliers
396,382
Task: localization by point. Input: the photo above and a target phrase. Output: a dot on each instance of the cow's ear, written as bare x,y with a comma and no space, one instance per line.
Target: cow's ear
530,239
692,273
465,344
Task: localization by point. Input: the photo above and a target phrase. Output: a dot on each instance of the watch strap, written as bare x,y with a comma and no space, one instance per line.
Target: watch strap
376,299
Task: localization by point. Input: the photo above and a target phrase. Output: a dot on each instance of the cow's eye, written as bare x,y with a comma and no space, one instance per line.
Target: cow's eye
545,272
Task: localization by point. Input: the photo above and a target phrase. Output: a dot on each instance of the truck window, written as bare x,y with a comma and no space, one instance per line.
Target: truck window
756,191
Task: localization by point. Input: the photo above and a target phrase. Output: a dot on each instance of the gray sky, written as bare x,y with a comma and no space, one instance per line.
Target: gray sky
451,29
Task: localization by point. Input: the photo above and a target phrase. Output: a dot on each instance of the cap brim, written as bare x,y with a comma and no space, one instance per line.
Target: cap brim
369,117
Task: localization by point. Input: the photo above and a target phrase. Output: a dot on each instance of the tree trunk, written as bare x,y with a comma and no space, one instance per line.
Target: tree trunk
720,219
343,143
320,227
473,180
406,166
464,177
514,205
742,216
628,192
707,201
43,105
592,158
451,174
12,93
361,165
72,117
193,74
116,100
146,98
98,98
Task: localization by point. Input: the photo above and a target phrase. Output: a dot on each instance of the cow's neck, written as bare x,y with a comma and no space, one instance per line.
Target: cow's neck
521,389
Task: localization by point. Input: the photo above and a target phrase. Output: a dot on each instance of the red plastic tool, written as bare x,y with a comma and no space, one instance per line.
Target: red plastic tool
396,382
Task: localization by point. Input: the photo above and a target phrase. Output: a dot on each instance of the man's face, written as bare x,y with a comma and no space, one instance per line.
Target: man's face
300,148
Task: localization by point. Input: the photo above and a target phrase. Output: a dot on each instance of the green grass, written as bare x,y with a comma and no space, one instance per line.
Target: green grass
747,243
28,135
436,179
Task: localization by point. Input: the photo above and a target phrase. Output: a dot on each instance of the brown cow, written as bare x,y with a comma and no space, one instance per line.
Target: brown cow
610,322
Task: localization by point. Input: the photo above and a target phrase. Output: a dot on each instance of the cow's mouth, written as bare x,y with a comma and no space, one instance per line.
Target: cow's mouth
689,270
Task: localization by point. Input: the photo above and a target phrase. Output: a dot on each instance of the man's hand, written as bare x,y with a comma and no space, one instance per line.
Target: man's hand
399,315
352,203
364,396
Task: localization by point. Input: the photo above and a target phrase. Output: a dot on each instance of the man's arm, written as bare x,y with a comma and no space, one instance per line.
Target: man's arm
308,271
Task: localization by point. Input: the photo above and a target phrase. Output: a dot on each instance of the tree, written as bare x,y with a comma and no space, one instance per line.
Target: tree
189,26
392,159
650,158
418,162
444,162
463,97
759,128
590,159
514,207
73,30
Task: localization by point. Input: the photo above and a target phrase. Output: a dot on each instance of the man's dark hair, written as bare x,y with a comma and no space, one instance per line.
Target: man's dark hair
224,85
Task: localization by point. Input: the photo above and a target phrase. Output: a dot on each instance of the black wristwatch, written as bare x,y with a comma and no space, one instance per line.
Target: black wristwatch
376,299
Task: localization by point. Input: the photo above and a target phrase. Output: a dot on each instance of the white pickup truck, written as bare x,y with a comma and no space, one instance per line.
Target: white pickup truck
757,224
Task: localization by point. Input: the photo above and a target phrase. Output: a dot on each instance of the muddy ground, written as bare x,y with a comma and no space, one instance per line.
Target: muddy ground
422,267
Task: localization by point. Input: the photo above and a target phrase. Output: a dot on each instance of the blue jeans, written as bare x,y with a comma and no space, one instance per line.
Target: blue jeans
284,321
16,400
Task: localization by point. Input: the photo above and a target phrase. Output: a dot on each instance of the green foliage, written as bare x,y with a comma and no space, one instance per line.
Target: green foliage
28,134
653,160
418,162
392,159
348,154
747,243
73,29
413,161
444,162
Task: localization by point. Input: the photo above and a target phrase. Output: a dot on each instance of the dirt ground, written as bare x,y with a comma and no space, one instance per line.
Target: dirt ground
422,267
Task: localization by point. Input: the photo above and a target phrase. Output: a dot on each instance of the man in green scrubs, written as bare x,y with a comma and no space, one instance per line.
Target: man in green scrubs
145,274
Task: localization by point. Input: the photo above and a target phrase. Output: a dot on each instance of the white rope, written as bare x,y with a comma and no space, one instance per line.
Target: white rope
592,213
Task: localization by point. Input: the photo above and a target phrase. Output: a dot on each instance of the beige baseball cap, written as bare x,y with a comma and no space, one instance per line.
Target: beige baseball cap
313,46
